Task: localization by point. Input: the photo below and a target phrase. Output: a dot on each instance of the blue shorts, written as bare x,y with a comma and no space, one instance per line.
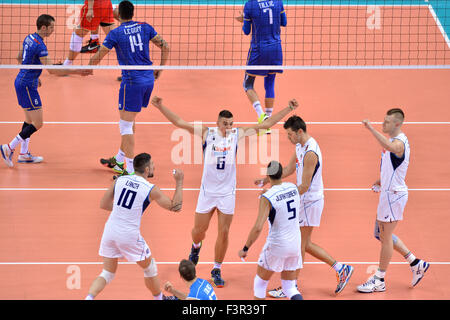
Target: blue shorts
27,95
264,56
134,97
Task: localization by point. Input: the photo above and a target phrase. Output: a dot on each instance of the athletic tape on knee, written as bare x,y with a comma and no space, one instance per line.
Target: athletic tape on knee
269,85
126,127
76,42
248,82
108,276
151,270
289,288
260,287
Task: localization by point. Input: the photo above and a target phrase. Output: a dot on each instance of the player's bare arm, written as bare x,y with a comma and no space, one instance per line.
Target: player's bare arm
170,288
309,165
164,201
164,46
274,119
397,147
106,203
59,72
176,120
263,213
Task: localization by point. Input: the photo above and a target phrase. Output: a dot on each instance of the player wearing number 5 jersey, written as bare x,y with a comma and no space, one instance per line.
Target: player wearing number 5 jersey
131,41
127,199
218,187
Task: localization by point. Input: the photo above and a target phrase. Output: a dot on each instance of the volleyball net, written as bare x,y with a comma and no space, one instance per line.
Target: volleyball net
205,33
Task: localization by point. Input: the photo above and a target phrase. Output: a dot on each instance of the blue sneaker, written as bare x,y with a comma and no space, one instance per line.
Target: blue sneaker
343,276
217,278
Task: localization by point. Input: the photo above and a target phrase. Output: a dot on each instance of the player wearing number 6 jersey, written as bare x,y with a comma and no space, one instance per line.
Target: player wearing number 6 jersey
127,200
218,188
131,41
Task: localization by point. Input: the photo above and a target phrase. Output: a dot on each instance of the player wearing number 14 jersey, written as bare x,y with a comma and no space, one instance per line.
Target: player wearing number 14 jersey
131,41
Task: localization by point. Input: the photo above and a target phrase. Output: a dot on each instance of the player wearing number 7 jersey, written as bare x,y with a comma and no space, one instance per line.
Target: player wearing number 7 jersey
131,41
218,187
127,200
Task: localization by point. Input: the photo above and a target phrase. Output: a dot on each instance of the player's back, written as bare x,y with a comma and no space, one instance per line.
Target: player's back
33,49
265,16
202,290
131,198
284,233
132,41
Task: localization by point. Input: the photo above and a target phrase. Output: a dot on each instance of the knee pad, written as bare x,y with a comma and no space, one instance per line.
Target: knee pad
108,276
289,288
126,127
269,85
151,271
76,42
260,287
248,82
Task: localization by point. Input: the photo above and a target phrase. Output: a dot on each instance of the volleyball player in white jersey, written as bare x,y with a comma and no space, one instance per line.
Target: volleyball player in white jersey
218,187
128,198
280,206
393,198
307,162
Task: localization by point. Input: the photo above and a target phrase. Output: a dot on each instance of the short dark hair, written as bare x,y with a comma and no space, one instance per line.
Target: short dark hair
44,20
274,170
141,161
225,114
295,123
187,270
397,112
126,10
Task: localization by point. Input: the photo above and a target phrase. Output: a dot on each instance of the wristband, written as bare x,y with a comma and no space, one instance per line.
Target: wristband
245,249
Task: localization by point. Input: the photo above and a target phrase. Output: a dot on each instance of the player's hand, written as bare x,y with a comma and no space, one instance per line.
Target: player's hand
86,72
157,102
376,187
89,15
242,254
240,18
293,104
39,83
157,73
178,175
367,124
168,287
260,182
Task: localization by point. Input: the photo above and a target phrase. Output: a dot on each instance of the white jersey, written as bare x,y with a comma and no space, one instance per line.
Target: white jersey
131,198
315,191
219,162
284,238
393,169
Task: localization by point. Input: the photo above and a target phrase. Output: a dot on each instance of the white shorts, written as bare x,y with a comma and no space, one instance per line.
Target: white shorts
132,248
206,203
271,262
391,206
311,213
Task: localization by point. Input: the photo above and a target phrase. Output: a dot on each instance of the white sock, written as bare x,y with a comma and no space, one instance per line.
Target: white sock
158,297
269,111
197,245
380,274
120,156
24,146
410,257
130,167
68,62
94,36
258,108
89,297
15,142
337,266
217,265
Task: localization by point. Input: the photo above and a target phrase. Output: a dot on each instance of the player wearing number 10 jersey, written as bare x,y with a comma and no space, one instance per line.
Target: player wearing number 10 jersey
131,41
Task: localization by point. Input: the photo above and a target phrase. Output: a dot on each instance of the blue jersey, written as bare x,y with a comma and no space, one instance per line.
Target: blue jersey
202,290
131,41
266,18
33,49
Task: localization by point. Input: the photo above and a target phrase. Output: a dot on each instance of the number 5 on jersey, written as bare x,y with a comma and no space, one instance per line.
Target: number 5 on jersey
136,41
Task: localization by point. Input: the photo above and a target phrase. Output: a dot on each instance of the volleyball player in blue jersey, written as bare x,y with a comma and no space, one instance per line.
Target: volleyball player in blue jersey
263,19
33,52
131,41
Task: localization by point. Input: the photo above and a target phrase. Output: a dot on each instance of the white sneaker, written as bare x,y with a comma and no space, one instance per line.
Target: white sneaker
418,271
29,158
372,285
7,154
276,293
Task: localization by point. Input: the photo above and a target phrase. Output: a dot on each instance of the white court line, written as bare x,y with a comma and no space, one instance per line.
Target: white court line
197,189
236,122
176,263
